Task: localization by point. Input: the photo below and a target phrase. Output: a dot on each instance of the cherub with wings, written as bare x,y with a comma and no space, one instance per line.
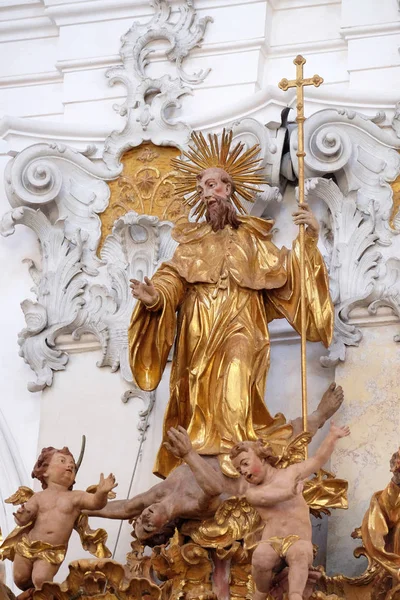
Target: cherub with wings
277,495
45,519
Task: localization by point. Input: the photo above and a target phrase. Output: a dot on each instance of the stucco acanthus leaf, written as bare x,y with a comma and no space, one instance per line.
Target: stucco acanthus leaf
152,103
361,155
72,298
59,286
135,248
350,240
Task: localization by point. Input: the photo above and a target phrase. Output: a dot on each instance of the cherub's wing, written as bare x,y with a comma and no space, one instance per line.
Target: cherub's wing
324,492
22,495
233,520
295,451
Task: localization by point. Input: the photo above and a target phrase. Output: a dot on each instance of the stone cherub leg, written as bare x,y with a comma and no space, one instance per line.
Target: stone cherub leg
25,573
299,559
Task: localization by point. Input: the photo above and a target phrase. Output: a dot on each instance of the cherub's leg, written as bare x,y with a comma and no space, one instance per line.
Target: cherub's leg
299,558
330,402
22,572
263,562
43,571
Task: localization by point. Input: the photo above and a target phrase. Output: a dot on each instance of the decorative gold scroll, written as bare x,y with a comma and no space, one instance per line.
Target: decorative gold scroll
147,185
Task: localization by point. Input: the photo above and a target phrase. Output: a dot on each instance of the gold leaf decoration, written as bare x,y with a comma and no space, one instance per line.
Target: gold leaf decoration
234,520
147,185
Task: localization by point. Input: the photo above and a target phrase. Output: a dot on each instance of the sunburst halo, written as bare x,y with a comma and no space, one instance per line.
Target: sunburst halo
242,165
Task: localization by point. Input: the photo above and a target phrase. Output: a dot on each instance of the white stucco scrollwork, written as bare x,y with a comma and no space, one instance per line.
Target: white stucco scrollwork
151,103
362,156
352,261
362,272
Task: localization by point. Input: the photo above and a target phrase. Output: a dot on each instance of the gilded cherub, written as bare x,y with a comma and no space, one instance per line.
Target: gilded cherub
277,496
46,520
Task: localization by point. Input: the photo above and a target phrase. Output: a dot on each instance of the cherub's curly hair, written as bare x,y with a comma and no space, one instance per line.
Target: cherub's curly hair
263,451
44,460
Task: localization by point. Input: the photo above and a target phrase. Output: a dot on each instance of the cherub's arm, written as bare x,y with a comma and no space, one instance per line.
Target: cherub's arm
27,512
88,501
269,495
128,509
210,481
313,464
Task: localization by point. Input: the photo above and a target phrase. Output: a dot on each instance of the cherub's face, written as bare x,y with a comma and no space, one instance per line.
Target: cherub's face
150,521
61,470
250,466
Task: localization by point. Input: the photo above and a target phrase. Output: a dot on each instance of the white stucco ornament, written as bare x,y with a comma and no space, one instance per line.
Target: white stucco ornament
59,193
151,103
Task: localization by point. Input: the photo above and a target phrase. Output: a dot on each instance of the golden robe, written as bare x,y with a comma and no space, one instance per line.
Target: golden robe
217,295
380,530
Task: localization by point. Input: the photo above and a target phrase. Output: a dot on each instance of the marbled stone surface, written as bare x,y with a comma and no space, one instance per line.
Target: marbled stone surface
371,380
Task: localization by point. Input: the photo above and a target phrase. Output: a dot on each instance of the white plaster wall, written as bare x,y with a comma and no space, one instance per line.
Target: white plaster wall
53,57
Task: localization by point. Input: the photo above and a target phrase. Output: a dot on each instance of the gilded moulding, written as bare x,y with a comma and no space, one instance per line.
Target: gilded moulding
103,579
147,186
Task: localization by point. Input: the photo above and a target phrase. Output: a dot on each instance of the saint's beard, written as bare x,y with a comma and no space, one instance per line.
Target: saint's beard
223,213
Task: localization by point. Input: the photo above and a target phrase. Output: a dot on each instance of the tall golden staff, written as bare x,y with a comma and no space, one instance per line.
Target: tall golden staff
299,84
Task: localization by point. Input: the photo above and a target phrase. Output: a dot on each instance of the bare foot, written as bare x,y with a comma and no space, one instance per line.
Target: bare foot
330,402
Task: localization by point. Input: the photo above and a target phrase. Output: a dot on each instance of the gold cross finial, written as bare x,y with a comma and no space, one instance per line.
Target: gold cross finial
299,84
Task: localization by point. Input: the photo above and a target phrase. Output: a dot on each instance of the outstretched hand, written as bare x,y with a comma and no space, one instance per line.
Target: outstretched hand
179,442
305,216
107,484
145,292
339,432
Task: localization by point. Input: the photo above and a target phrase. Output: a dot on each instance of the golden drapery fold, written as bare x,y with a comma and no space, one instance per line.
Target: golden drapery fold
380,530
217,294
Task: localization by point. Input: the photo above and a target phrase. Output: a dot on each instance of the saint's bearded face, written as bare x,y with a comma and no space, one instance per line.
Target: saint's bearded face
215,187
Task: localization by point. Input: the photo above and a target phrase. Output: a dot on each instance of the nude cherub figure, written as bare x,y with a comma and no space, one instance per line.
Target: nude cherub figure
38,556
277,496
195,489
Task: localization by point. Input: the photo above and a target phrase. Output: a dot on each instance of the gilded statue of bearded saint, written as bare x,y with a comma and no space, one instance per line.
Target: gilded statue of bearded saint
225,282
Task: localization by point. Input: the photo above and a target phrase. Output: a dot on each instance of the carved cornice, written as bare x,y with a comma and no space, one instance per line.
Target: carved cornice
26,29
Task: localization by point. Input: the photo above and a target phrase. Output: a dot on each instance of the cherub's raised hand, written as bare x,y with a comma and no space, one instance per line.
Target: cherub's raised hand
107,484
179,442
145,292
305,216
339,432
23,515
